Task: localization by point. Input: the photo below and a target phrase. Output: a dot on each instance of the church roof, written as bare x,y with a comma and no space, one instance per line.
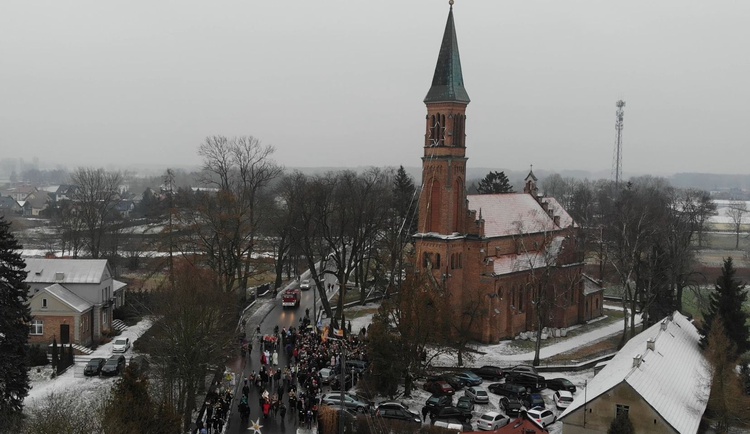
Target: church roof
511,214
448,81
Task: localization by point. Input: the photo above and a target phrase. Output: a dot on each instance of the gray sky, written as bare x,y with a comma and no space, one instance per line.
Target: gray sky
341,82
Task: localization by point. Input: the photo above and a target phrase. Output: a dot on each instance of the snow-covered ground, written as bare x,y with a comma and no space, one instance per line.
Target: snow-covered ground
72,382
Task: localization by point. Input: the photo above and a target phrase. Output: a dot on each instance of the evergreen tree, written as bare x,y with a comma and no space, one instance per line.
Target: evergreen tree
132,410
405,202
494,183
14,325
621,424
55,356
726,302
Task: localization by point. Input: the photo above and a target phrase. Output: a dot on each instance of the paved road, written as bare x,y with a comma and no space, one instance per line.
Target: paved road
269,314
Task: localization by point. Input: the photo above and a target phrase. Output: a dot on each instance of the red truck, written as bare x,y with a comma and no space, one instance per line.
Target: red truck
290,298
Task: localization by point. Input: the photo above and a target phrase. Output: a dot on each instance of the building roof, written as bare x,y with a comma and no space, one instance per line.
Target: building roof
673,378
65,270
557,210
506,264
7,202
66,296
117,285
591,286
448,81
510,214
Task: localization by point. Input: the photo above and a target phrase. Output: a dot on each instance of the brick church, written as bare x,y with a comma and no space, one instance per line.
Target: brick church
498,258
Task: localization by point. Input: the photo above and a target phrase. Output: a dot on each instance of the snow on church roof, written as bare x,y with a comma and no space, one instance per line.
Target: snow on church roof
511,214
673,378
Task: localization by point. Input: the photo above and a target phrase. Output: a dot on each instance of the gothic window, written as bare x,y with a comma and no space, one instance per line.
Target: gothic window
425,259
458,130
520,299
437,260
453,261
437,130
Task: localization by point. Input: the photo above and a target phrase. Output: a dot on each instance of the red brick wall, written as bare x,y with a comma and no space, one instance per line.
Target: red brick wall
52,329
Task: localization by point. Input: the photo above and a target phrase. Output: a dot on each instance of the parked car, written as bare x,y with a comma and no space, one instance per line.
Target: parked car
304,285
336,382
489,372
511,406
491,421
398,414
94,367
438,401
438,387
454,381
326,374
140,363
534,400
542,416
532,382
359,366
455,425
393,404
121,345
350,401
477,394
465,403
562,398
451,413
469,378
561,384
114,366
527,369
508,389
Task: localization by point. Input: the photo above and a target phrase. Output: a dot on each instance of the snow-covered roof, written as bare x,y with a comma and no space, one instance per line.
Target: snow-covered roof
673,378
65,270
66,296
510,214
565,219
117,285
590,286
506,264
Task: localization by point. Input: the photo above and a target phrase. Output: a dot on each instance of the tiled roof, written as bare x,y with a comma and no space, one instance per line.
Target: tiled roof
66,296
448,81
510,214
72,270
565,219
506,264
674,378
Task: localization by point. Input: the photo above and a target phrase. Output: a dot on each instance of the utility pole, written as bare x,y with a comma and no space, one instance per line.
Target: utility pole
617,158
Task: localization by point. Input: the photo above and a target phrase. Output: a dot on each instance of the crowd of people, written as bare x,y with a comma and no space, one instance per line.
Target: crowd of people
216,411
292,391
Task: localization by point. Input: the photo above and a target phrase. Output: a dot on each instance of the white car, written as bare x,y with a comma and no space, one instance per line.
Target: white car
121,345
304,285
491,421
477,394
542,416
563,399
326,375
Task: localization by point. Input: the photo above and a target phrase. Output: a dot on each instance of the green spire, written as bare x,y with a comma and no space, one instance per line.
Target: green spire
448,81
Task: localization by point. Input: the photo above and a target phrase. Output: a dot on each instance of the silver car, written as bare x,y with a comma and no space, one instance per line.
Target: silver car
350,402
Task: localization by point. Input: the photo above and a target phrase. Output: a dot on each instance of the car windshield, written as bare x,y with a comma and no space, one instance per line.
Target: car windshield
94,362
120,342
566,398
481,392
487,417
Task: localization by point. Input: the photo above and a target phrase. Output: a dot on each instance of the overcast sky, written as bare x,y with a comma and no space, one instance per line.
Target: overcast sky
341,82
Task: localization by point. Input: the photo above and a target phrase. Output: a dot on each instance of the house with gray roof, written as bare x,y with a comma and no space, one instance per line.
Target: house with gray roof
660,378
72,299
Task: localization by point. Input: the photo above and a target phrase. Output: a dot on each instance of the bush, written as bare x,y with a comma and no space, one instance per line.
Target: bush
36,356
126,314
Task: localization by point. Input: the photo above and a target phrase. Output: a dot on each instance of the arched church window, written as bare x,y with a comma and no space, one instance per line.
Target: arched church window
437,260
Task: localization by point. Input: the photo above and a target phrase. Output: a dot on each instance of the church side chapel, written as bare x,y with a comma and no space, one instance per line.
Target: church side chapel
506,263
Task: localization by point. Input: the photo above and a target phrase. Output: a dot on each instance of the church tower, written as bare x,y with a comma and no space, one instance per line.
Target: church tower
442,204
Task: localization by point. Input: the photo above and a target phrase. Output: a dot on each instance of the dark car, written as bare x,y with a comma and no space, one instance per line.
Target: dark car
451,413
469,378
534,400
534,383
438,387
114,366
508,389
524,369
438,401
561,384
489,372
398,414
511,406
336,382
465,403
454,381
94,367
358,366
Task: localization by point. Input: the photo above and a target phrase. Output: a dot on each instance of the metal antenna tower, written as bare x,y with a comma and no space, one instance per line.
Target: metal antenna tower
617,158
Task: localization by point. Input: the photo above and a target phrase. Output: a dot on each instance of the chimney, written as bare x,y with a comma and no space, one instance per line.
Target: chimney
637,361
651,344
664,324
556,219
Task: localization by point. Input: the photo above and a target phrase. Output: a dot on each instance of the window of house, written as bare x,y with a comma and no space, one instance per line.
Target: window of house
453,261
621,409
44,303
437,260
37,327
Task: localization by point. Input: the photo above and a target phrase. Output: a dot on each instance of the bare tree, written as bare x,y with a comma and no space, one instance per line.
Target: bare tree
736,212
95,198
223,224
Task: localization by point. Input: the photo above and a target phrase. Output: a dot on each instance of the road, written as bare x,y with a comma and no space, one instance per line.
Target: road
267,317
